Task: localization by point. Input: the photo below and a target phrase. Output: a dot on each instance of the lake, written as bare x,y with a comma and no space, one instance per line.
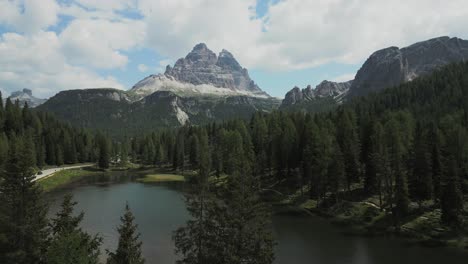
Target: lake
160,209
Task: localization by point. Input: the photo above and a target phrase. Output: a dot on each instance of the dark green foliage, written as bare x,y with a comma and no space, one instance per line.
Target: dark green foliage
23,224
229,224
68,243
129,247
451,198
349,142
104,152
55,143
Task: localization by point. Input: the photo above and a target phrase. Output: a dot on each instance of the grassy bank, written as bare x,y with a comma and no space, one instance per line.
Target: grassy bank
64,177
152,178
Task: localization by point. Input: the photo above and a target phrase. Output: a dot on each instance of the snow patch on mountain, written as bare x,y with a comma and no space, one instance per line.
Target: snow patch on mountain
162,82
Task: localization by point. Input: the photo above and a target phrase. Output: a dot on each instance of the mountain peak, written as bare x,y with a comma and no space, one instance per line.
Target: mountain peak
199,54
201,71
26,96
225,53
200,46
392,66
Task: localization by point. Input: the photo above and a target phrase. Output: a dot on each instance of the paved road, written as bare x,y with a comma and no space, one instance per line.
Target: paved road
51,171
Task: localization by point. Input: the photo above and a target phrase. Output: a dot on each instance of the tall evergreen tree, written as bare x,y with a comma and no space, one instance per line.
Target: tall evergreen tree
129,247
451,196
245,219
397,170
23,220
420,185
104,152
68,243
349,143
196,241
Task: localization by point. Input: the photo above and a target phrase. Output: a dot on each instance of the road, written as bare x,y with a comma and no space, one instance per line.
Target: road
48,172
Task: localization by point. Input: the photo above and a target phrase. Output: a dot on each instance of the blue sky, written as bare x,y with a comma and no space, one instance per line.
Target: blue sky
53,45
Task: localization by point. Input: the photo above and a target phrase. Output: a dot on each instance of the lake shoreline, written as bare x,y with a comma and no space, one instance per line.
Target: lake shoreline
351,226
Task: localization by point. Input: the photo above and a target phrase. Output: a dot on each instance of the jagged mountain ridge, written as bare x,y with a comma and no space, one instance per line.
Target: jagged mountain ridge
202,72
26,96
392,66
326,88
383,69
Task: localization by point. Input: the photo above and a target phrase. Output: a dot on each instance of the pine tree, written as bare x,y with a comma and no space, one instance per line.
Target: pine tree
336,171
23,220
451,197
196,241
259,141
397,170
124,152
129,247
179,152
194,151
68,243
420,185
436,165
376,162
246,219
104,153
349,143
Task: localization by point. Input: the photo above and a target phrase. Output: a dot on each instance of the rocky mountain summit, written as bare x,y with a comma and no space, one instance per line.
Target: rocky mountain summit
336,90
202,72
386,68
26,96
393,66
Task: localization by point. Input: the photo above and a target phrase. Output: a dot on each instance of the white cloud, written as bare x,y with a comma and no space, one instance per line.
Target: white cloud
142,67
37,63
174,27
29,16
108,4
297,34
309,33
99,43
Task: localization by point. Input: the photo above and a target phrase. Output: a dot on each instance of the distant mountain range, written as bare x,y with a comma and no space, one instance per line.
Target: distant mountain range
204,87
26,96
387,68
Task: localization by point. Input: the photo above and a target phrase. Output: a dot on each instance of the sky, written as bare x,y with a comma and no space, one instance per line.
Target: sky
54,45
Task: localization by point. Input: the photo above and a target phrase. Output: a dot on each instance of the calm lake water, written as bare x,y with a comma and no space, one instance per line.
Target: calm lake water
160,209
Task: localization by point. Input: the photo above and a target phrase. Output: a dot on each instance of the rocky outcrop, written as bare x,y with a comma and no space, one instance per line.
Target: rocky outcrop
202,72
26,96
326,88
88,95
392,66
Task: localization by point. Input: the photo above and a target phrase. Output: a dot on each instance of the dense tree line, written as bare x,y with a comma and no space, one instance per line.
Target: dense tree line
406,144
52,142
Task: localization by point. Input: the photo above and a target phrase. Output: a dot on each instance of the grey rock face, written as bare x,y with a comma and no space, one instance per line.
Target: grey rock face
202,66
92,95
393,66
26,96
324,89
